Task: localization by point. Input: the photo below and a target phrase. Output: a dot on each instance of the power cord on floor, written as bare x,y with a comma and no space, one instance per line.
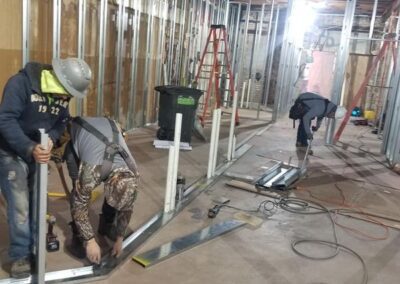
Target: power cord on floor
300,206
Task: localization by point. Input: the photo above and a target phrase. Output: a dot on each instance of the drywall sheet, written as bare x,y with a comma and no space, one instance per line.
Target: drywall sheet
320,73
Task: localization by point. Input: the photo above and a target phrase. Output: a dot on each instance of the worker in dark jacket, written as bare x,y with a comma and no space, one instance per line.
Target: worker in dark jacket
36,97
317,107
98,147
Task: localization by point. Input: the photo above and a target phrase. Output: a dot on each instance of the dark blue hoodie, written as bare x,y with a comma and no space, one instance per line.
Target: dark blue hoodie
24,109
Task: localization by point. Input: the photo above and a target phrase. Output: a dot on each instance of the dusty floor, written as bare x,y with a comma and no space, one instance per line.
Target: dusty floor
351,175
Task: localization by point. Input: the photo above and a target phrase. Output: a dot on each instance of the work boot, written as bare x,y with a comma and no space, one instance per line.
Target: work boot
76,247
21,268
107,228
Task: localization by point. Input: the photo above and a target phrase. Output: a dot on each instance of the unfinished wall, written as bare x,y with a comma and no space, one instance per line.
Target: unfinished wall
11,40
41,31
92,53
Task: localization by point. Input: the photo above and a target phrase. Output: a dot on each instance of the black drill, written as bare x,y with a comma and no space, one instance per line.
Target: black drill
52,243
212,212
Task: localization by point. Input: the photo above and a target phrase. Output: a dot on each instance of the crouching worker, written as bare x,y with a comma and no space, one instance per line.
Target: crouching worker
36,97
98,147
307,107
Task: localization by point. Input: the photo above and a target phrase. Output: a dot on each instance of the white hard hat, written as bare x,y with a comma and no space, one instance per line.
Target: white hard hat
340,112
74,74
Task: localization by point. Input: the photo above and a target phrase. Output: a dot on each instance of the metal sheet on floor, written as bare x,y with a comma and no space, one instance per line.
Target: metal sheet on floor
167,250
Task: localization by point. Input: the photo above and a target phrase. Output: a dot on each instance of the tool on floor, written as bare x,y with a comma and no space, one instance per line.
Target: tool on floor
213,212
181,244
215,67
52,243
281,176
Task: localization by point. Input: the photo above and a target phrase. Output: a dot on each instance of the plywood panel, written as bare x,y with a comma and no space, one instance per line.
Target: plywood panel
357,67
320,77
69,36
11,40
41,31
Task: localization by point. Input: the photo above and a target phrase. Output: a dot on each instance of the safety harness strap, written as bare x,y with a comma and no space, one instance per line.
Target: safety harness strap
112,147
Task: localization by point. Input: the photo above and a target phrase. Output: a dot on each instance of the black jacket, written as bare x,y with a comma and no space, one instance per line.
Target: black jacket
24,109
317,109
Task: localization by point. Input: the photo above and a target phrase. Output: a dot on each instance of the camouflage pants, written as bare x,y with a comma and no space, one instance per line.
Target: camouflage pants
120,190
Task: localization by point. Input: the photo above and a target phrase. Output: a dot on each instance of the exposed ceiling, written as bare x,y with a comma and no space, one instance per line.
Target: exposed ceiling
384,7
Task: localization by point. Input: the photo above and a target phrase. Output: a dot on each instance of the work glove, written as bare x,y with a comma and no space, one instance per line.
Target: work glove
310,136
314,128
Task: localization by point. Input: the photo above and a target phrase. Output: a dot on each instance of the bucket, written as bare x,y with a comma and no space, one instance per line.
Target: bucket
369,114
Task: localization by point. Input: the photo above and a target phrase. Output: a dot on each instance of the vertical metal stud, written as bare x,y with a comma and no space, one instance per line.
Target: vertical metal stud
119,55
26,4
171,48
56,27
373,17
133,73
179,50
342,57
81,44
271,52
147,66
236,45
102,52
282,65
244,42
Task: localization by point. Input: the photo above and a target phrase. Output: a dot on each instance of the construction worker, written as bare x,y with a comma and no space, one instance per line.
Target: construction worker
36,97
309,106
98,147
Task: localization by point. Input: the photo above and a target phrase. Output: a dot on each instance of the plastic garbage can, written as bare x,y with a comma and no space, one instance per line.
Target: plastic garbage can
173,100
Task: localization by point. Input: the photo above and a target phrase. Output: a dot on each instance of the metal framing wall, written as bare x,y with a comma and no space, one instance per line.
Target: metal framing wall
189,23
391,135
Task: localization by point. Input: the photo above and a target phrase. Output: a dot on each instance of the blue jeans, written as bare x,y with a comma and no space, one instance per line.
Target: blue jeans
301,135
17,182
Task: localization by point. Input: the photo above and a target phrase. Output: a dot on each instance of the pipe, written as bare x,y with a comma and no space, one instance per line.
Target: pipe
177,142
212,145
168,187
248,94
243,93
232,127
41,214
215,154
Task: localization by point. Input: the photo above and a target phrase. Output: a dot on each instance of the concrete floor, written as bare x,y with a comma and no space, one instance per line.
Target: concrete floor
350,175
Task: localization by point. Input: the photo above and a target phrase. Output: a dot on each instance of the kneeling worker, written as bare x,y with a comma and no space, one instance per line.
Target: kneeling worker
98,147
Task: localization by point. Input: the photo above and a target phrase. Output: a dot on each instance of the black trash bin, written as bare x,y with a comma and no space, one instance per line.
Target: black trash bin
173,100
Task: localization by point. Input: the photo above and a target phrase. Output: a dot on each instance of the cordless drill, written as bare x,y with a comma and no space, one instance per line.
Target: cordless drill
51,239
